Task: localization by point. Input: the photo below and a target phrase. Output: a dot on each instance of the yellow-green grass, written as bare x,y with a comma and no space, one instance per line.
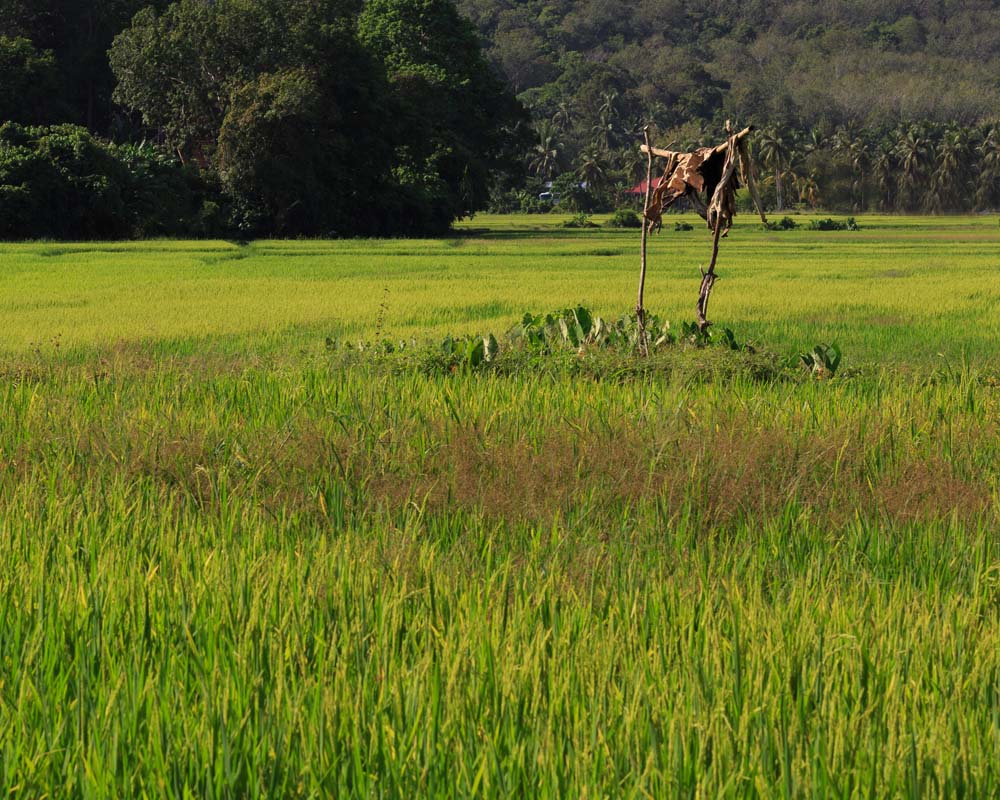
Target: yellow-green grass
234,564
900,290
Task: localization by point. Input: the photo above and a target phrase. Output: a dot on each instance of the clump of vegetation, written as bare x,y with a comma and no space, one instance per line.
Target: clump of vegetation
624,218
60,182
830,224
580,220
823,360
683,226
577,341
783,224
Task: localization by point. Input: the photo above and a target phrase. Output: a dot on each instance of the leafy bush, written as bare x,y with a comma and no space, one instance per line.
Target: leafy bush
61,183
683,226
833,225
624,218
823,361
572,196
575,341
783,224
581,220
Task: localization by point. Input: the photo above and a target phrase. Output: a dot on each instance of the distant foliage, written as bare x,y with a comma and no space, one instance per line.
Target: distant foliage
923,137
62,183
326,119
783,224
624,218
829,224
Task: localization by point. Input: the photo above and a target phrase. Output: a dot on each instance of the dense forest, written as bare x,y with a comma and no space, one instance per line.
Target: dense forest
864,104
248,118
347,117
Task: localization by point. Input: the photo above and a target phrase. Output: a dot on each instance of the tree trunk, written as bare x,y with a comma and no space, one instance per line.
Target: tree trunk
640,311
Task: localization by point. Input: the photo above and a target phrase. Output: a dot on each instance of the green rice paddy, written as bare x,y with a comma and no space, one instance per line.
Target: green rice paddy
234,563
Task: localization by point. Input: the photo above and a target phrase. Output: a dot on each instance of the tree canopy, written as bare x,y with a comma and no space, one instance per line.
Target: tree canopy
861,101
348,117
311,117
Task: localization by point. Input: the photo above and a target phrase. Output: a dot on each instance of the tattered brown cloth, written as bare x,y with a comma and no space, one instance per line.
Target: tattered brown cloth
712,172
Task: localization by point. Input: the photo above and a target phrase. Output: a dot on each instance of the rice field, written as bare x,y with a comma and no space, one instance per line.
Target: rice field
237,563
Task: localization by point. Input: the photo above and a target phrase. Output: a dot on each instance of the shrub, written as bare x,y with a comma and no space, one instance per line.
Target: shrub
624,218
581,220
833,225
60,182
783,224
165,198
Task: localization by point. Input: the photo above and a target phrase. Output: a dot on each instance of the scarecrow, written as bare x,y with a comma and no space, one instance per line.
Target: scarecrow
707,179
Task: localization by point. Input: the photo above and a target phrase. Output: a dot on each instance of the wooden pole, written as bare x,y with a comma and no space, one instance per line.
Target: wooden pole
640,311
716,212
708,279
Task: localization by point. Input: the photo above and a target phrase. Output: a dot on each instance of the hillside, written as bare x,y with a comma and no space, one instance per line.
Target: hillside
867,63
839,81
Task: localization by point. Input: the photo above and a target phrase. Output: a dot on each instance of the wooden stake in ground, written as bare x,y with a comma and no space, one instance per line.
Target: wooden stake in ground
640,311
707,178
720,213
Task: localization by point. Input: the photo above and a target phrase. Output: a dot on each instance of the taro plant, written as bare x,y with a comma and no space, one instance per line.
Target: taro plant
823,360
579,328
469,352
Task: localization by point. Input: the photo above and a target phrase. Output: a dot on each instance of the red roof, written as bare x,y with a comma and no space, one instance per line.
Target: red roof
641,188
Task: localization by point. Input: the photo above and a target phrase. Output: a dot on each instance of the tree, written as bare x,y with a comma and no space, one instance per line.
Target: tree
278,98
78,34
988,180
607,115
28,82
564,116
456,126
545,156
775,154
853,148
950,181
593,169
914,152
884,168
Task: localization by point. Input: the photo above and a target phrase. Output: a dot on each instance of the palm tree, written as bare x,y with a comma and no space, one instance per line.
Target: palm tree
775,154
884,167
606,116
859,157
564,116
593,169
632,162
949,183
544,157
813,142
808,188
988,180
848,144
915,152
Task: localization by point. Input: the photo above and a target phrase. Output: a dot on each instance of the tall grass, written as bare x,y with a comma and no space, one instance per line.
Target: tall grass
233,564
327,582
